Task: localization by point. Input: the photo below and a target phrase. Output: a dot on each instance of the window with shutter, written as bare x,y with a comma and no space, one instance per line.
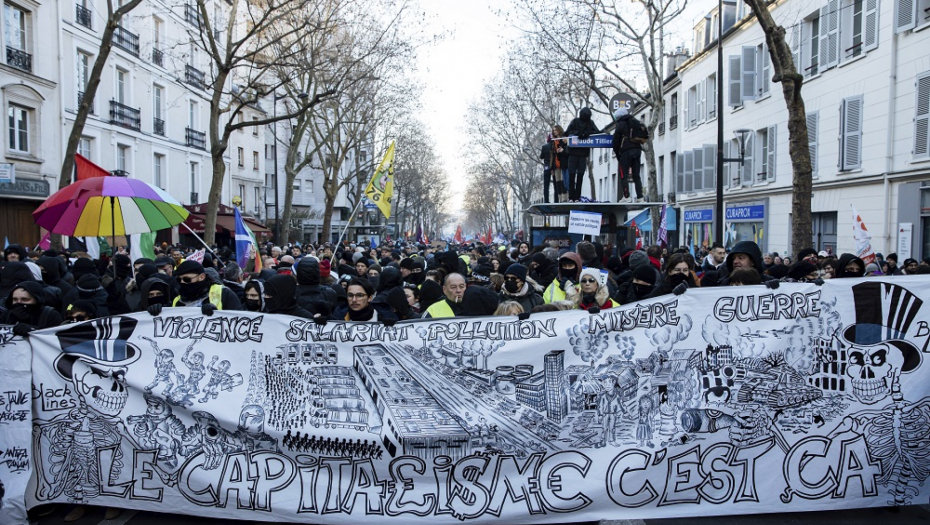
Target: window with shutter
685,110
762,136
851,133
812,125
710,167
871,25
748,81
905,15
702,101
922,117
712,96
679,173
764,73
772,136
688,172
830,34
698,155
796,45
812,50
747,169
727,172
734,95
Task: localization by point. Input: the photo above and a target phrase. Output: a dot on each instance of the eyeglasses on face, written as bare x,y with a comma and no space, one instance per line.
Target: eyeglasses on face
356,295
187,280
511,278
587,281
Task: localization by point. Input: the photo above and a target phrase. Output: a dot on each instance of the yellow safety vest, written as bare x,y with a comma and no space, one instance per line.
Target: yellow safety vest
440,309
215,296
553,293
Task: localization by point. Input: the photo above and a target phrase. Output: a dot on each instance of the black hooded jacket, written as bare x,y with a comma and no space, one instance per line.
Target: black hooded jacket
13,273
622,132
311,294
545,272
157,281
581,127
36,316
390,279
51,273
752,250
88,288
845,259
280,290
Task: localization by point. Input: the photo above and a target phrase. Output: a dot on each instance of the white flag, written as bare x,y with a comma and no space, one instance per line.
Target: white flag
863,239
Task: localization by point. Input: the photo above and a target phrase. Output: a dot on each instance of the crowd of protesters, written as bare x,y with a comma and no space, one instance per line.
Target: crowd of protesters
397,281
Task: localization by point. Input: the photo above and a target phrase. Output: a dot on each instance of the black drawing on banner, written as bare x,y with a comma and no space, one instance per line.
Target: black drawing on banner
164,369
6,334
70,448
219,380
159,429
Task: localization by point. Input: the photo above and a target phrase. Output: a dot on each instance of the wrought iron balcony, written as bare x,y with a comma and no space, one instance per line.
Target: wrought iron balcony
196,139
194,77
125,116
192,15
18,59
158,57
82,16
81,101
158,127
126,41
673,122
195,198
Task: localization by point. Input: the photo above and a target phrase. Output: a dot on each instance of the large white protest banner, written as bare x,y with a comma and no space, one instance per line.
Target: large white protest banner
730,400
15,426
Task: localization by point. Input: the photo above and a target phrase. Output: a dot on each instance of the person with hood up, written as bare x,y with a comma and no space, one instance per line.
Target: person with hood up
564,287
51,273
628,153
123,265
635,259
197,290
396,300
592,294
12,274
641,286
850,266
26,309
478,301
521,288
430,293
745,255
582,127
134,288
154,290
542,270
88,287
280,297
311,294
359,307
411,270
14,252
255,296
387,281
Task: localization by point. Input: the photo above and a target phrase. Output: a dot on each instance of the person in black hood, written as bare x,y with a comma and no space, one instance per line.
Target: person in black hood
13,273
430,292
123,265
850,266
311,294
88,288
390,278
51,273
81,311
154,290
628,155
26,309
477,301
411,270
542,270
450,262
254,296
396,300
83,266
134,289
14,252
582,127
280,299
744,255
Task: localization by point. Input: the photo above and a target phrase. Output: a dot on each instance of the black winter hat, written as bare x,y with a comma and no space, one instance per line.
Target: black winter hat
517,270
190,266
586,250
397,300
645,273
800,270
479,300
83,266
540,258
805,252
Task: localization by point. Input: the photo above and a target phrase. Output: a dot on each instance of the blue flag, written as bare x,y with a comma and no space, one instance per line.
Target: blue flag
244,241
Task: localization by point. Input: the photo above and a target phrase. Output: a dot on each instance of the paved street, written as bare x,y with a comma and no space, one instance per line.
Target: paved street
906,516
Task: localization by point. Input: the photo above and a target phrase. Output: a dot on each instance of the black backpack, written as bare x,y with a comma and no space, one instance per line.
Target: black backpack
638,132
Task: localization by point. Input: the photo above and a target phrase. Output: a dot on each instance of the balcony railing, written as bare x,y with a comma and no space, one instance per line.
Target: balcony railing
82,16
119,173
195,198
18,59
661,128
125,116
158,57
158,126
192,15
194,77
126,41
673,122
196,139
81,101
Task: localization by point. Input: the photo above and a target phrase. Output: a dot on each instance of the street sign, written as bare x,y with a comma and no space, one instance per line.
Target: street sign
621,100
7,173
594,141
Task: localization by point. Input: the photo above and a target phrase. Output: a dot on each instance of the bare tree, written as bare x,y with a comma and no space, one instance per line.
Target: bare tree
245,51
420,184
785,72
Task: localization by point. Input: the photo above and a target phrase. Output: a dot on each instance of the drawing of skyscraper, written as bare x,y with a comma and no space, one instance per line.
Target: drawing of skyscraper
556,395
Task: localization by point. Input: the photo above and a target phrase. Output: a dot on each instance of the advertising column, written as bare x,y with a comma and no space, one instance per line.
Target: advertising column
746,221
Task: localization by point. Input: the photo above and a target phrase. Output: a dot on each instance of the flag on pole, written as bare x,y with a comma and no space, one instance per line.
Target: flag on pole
863,239
663,228
380,188
46,241
419,238
197,256
86,169
458,234
142,245
246,245
490,237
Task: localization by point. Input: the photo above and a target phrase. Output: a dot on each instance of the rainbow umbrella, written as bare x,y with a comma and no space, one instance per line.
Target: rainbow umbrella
109,206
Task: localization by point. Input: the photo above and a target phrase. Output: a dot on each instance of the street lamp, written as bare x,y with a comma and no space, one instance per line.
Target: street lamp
274,132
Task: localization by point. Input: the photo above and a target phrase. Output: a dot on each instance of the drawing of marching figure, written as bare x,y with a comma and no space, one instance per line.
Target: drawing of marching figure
609,410
251,432
164,369
159,429
69,449
188,388
219,380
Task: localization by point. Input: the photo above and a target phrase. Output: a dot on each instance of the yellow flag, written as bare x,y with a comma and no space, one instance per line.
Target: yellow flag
380,189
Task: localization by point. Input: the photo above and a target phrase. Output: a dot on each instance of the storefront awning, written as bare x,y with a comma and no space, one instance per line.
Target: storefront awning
225,220
644,220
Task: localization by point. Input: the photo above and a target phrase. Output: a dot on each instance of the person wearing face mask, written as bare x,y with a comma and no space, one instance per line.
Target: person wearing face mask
26,309
197,290
564,286
593,293
280,297
850,266
521,288
678,277
80,311
254,295
642,284
154,290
